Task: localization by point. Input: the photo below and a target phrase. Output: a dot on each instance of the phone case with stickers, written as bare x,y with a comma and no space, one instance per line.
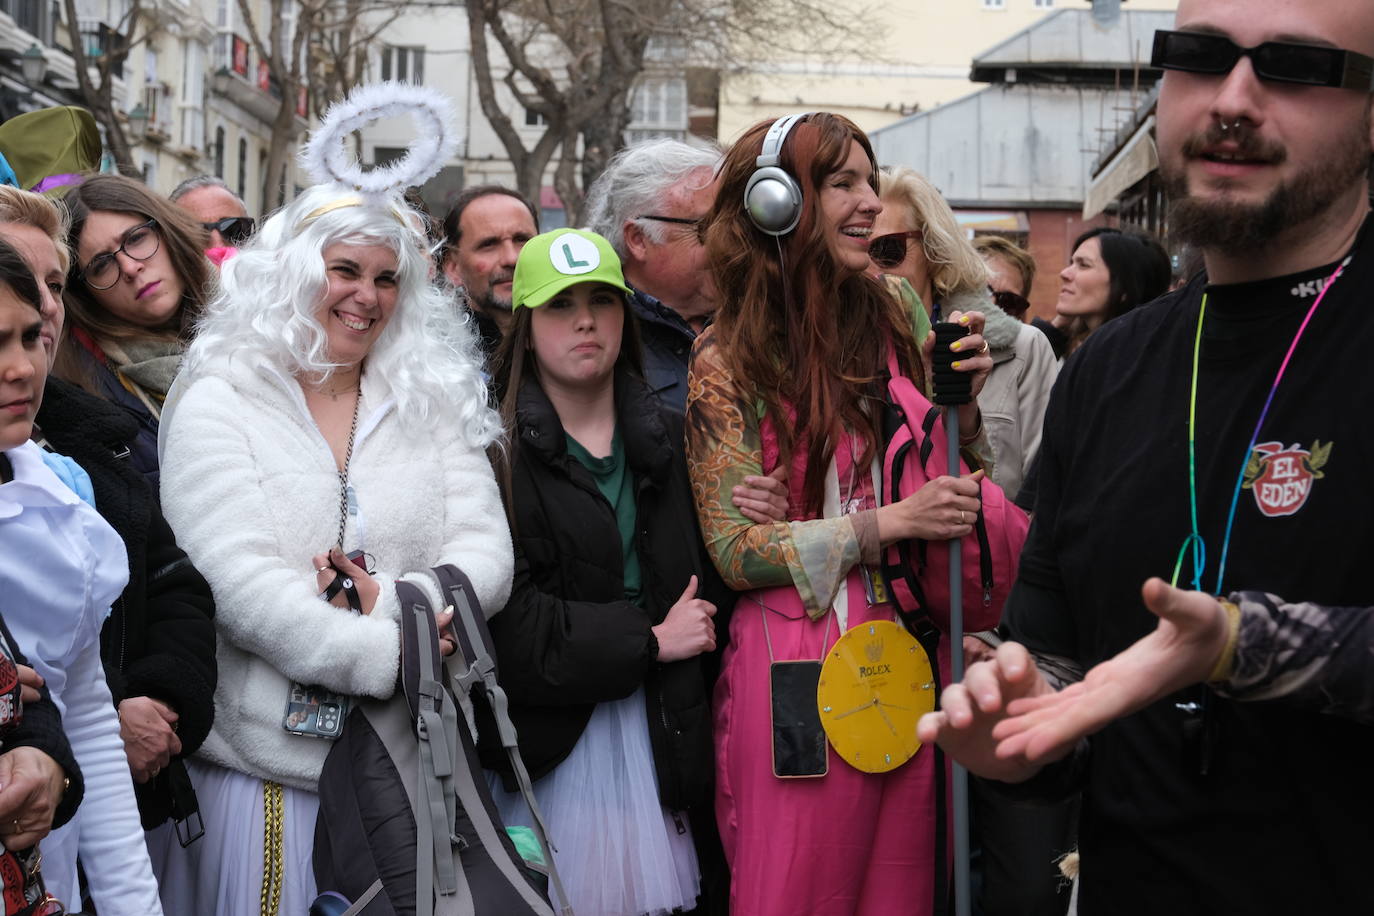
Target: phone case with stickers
314,712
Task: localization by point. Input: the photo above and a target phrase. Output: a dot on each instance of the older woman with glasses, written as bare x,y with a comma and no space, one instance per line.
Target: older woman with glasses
916,237
138,280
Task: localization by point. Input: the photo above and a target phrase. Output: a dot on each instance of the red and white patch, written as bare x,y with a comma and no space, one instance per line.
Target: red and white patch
1282,477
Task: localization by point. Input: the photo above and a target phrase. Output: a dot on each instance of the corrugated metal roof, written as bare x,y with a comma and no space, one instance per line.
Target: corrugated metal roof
1074,39
1009,145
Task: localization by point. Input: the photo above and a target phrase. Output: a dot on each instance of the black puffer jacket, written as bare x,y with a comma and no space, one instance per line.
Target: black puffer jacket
568,639
159,640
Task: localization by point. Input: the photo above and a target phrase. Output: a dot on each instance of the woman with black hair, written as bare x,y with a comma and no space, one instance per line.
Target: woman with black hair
61,567
138,281
1110,273
158,643
602,647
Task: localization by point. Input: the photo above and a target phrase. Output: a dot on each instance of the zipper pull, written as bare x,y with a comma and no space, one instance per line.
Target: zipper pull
677,820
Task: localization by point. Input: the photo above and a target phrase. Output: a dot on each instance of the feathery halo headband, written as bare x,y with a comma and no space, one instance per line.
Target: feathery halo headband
327,160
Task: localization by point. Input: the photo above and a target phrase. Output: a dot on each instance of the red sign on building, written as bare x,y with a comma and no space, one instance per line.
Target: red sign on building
240,60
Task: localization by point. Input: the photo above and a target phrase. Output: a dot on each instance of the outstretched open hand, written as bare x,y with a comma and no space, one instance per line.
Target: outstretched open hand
1182,650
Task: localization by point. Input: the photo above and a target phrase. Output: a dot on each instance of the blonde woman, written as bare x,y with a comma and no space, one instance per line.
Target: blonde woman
916,237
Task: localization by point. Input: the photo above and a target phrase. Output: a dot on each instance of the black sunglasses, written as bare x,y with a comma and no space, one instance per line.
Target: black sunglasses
1279,61
887,251
698,225
235,229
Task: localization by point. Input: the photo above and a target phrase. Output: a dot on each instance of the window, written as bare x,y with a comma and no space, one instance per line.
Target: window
243,168
33,16
218,152
535,119
192,99
385,155
403,64
1044,4
994,4
658,109
267,205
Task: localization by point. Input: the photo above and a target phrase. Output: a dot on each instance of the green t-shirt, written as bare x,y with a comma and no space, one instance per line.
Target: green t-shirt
616,483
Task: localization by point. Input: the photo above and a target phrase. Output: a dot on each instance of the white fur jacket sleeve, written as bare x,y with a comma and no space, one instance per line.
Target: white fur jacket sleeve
251,489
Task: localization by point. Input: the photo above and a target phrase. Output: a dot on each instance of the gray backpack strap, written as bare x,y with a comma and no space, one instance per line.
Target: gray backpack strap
364,900
437,730
478,656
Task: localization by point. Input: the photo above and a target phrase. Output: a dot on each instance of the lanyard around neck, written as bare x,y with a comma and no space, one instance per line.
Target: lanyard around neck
1194,540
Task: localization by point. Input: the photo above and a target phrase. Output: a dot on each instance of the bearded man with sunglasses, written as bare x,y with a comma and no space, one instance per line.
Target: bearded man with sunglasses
1212,438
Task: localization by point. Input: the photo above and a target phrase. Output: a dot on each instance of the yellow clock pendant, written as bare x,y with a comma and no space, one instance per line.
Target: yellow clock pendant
875,685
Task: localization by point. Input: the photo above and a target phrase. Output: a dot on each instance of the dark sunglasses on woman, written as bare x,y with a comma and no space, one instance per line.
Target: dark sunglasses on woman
234,229
887,251
1277,61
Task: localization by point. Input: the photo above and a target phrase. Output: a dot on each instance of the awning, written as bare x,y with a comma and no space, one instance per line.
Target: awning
975,221
1137,159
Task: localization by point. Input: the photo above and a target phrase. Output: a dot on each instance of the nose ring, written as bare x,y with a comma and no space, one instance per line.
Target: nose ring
1234,125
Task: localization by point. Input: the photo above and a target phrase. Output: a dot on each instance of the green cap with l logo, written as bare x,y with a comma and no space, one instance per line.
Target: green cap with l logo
551,262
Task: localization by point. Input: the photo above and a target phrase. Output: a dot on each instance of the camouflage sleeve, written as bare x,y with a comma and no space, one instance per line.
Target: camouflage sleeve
1318,656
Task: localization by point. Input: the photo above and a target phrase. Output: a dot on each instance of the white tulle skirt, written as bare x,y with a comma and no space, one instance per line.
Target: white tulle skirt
619,852
221,873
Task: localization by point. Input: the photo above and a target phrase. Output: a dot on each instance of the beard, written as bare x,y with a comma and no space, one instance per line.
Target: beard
488,301
1236,228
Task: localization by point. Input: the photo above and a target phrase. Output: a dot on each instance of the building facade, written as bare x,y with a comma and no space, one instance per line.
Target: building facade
915,57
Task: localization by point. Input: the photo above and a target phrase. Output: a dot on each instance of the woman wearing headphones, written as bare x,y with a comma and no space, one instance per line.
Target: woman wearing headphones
792,374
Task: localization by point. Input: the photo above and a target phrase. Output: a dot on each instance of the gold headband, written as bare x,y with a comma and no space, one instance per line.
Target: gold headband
352,200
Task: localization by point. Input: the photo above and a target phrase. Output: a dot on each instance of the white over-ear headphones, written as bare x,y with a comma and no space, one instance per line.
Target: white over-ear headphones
772,198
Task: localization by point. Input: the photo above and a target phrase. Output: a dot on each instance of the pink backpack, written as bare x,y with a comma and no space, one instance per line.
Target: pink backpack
917,571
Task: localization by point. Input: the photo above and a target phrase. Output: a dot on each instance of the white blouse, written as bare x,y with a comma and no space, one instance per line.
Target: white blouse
61,567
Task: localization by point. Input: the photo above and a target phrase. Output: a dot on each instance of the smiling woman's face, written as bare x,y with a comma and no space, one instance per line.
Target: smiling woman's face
848,206
358,300
145,294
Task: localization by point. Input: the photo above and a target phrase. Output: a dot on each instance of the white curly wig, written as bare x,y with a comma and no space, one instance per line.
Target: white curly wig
269,292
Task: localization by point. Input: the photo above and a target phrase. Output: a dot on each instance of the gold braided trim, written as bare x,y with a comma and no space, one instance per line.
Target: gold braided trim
272,864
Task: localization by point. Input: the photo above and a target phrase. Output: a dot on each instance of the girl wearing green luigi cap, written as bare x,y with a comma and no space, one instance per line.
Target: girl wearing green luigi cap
601,647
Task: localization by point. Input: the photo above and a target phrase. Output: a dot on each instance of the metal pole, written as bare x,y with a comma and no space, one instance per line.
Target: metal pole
958,775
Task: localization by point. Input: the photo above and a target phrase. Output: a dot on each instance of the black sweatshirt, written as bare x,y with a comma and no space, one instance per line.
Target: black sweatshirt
1282,822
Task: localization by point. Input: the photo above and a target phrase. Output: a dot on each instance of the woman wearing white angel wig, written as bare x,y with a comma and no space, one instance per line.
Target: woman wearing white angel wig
330,403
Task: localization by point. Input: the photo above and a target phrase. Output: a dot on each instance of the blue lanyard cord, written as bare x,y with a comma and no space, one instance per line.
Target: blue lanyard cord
1194,538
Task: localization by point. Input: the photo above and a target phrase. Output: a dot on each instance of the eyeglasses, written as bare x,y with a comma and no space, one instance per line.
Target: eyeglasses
1014,304
887,251
140,243
235,229
698,225
1278,61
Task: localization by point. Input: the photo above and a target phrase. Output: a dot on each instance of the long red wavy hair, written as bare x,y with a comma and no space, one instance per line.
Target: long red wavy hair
796,330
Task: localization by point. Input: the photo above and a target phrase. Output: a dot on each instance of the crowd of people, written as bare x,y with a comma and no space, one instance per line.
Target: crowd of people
663,449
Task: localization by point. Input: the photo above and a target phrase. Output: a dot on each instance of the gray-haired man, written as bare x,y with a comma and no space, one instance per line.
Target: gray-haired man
650,203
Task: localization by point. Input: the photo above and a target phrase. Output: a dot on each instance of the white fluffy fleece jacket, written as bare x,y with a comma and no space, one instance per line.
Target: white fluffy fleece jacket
250,487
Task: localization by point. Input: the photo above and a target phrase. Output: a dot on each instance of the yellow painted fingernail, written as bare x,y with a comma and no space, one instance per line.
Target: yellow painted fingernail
963,320
955,364
956,345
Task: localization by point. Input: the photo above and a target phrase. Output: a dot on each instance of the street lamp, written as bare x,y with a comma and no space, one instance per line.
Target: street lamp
34,65
138,121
